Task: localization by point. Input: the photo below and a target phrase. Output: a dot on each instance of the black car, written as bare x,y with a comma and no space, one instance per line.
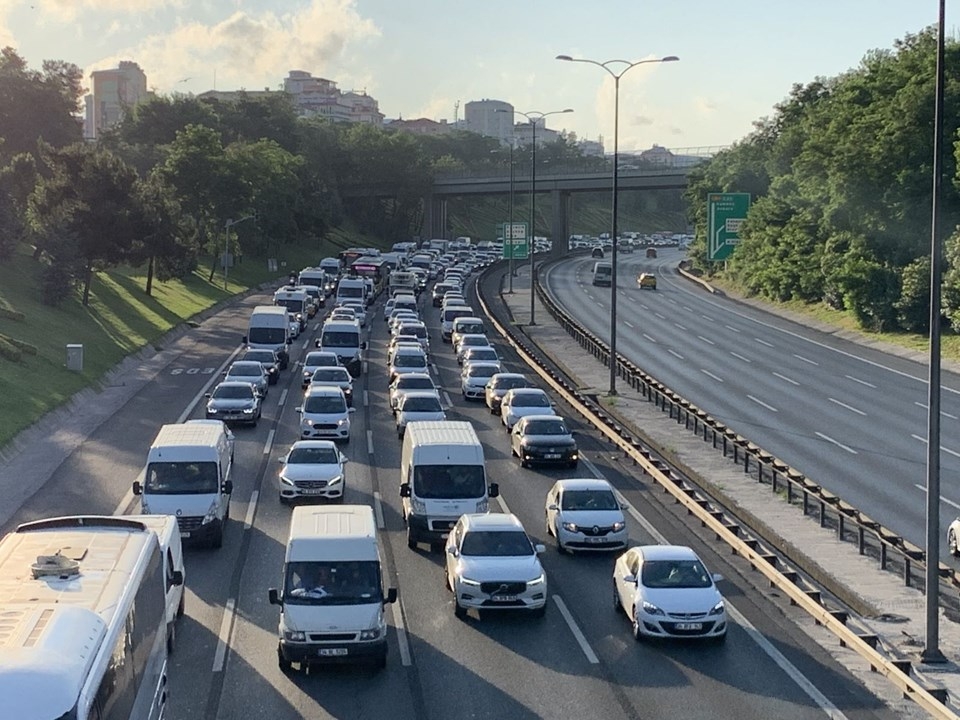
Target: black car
268,358
543,439
597,252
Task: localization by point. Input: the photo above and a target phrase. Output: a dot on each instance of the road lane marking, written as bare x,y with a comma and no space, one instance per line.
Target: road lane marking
251,509
944,449
761,402
269,444
628,323
402,642
675,353
784,377
711,375
370,442
577,632
836,442
364,367
220,656
660,315
927,407
763,342
738,356
687,308
378,510
923,489
446,399
283,397
649,337
806,360
706,317
708,341
503,504
731,327
858,380
681,327
848,407
366,399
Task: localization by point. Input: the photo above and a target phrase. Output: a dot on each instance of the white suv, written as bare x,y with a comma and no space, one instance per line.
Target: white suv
324,414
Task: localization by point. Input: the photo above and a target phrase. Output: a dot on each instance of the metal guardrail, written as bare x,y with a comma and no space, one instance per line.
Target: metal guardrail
728,529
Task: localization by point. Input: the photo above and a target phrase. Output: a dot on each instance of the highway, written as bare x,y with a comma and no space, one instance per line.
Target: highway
850,417
578,661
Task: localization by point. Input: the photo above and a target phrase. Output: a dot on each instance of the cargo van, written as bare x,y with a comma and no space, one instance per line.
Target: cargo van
295,300
331,266
352,289
602,273
171,547
450,313
343,338
269,328
331,597
188,476
442,477
402,280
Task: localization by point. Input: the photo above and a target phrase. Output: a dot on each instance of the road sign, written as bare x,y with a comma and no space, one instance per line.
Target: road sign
725,214
514,240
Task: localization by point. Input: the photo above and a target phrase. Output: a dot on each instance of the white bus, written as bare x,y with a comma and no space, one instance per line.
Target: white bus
84,620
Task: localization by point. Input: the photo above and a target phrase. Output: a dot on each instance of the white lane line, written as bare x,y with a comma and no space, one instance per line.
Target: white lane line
405,659
836,442
370,442
806,360
731,327
251,509
858,380
680,327
763,342
577,632
784,377
923,489
927,407
378,510
795,674
711,375
948,451
364,367
306,344
706,317
675,354
316,326
446,399
283,397
268,446
687,308
223,637
503,505
738,356
649,337
660,315
628,323
762,403
708,341
848,407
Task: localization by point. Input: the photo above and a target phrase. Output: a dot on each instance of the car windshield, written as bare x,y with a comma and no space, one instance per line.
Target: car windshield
267,335
674,574
417,331
473,340
332,583
421,404
546,427
246,370
260,356
410,361
334,338
319,360
474,327
454,482
508,383
331,375
415,383
181,478
324,404
481,354
313,456
496,543
233,392
481,371
530,400
589,500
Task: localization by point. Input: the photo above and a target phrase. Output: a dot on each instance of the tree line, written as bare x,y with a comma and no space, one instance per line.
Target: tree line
841,177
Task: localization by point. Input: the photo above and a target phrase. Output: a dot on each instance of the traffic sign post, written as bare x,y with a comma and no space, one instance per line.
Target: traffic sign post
725,214
515,243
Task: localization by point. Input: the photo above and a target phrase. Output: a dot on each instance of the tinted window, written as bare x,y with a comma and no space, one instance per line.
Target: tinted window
332,583
546,427
531,400
421,404
177,478
324,404
674,574
456,482
267,336
345,339
496,543
313,455
415,383
331,375
233,392
410,361
589,500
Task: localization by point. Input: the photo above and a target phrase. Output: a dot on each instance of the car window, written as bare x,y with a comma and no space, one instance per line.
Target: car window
313,455
530,400
324,404
545,427
233,392
674,574
589,500
421,404
496,543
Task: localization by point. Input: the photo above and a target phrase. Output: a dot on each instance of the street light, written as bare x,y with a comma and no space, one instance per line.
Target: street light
613,234
508,235
532,117
226,239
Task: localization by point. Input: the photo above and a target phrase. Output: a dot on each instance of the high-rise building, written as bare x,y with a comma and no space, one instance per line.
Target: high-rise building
114,92
319,96
492,118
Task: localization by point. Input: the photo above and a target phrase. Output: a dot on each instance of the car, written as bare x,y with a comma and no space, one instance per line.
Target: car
324,414
234,401
400,316
407,360
469,340
651,252
417,405
523,401
466,326
268,358
597,252
491,564
474,378
498,386
317,359
647,280
250,371
482,353
667,592
584,514
407,382
410,343
337,377
343,313
953,537
388,308
312,469
358,310
440,289
294,324
543,439
418,330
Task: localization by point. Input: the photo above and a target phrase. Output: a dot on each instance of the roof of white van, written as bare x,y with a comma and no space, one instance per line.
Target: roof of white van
180,434
344,532
442,432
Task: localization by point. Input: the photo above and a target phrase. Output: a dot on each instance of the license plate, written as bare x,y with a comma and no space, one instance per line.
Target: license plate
312,491
332,652
184,534
594,539
504,598
689,626
551,456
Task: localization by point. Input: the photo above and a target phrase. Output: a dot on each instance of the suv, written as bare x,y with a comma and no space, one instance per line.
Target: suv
324,414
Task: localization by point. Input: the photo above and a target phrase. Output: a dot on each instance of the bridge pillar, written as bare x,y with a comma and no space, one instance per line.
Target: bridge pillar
560,229
434,217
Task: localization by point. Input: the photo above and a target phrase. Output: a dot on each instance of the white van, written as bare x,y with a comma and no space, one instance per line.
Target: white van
295,300
448,315
269,328
188,476
331,600
344,338
441,478
352,289
168,533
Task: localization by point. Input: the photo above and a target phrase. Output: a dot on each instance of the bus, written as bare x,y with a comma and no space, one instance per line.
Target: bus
84,605
371,267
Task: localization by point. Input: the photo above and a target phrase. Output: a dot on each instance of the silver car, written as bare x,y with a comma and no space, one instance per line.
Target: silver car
312,469
418,405
234,402
249,371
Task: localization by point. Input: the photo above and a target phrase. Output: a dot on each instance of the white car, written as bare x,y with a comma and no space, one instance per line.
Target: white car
312,469
317,359
667,593
474,378
953,537
468,341
484,353
490,564
418,405
403,384
294,323
523,401
336,377
324,414
407,360
499,385
358,310
584,514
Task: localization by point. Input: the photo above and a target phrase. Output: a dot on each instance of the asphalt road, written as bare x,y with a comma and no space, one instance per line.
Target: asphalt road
850,417
578,661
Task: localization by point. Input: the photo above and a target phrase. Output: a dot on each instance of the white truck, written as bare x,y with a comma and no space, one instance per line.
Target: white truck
442,477
269,328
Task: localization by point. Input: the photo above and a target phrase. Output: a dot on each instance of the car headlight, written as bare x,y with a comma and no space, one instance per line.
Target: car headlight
419,507
308,422
343,421
294,635
285,480
537,581
619,525
718,608
211,513
307,375
248,411
468,581
569,526
371,634
211,410
335,481
651,609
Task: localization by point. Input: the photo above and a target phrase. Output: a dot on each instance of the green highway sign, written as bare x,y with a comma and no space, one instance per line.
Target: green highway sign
725,214
514,240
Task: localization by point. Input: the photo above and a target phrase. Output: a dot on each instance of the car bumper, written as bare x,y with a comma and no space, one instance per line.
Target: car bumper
233,417
593,543
473,597
327,492
473,392
659,626
314,433
194,530
345,652
431,529
542,457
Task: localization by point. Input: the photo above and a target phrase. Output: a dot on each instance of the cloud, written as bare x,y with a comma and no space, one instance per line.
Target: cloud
437,109
68,10
640,120
6,34
704,105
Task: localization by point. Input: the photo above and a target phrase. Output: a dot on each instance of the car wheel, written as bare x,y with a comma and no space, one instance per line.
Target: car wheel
560,548
182,606
284,501
617,607
217,541
459,610
411,539
719,639
286,667
171,637
952,543
637,633
523,463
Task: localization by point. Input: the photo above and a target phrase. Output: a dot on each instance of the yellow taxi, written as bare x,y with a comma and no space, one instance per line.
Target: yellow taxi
647,280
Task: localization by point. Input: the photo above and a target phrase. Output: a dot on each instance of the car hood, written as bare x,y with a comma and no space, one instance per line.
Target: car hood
311,471
683,600
589,518
515,569
549,440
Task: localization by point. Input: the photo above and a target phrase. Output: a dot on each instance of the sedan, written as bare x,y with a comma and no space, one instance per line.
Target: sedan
469,341
337,377
234,402
543,439
584,514
358,310
249,371
403,384
523,401
269,359
474,378
481,354
667,593
418,405
312,468
317,359
407,360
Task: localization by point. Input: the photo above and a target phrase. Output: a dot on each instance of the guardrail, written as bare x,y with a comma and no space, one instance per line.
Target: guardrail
726,528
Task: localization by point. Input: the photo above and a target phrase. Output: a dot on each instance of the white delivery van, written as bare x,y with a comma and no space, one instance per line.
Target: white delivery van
331,266
343,337
295,300
188,476
314,278
448,315
402,281
331,600
269,327
352,289
171,547
441,478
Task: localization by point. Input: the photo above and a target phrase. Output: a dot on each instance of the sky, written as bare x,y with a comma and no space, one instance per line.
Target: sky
420,58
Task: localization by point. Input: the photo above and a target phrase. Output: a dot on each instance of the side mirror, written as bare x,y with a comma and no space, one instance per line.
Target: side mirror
493,490
553,506
363,345
631,579
244,339
404,489
274,597
540,548
177,579
452,551
137,488
717,577
208,395
226,487
344,459
316,343
352,410
391,596
298,409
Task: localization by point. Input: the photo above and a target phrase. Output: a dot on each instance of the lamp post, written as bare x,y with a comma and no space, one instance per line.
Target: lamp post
226,239
508,235
616,161
532,117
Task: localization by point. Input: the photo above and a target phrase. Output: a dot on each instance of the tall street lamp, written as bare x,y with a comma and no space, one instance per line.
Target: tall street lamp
508,236
616,161
533,116
226,241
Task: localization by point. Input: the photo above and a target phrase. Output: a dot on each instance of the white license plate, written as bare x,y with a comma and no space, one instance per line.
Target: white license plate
312,491
332,652
689,626
551,456
184,534
504,598
594,539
